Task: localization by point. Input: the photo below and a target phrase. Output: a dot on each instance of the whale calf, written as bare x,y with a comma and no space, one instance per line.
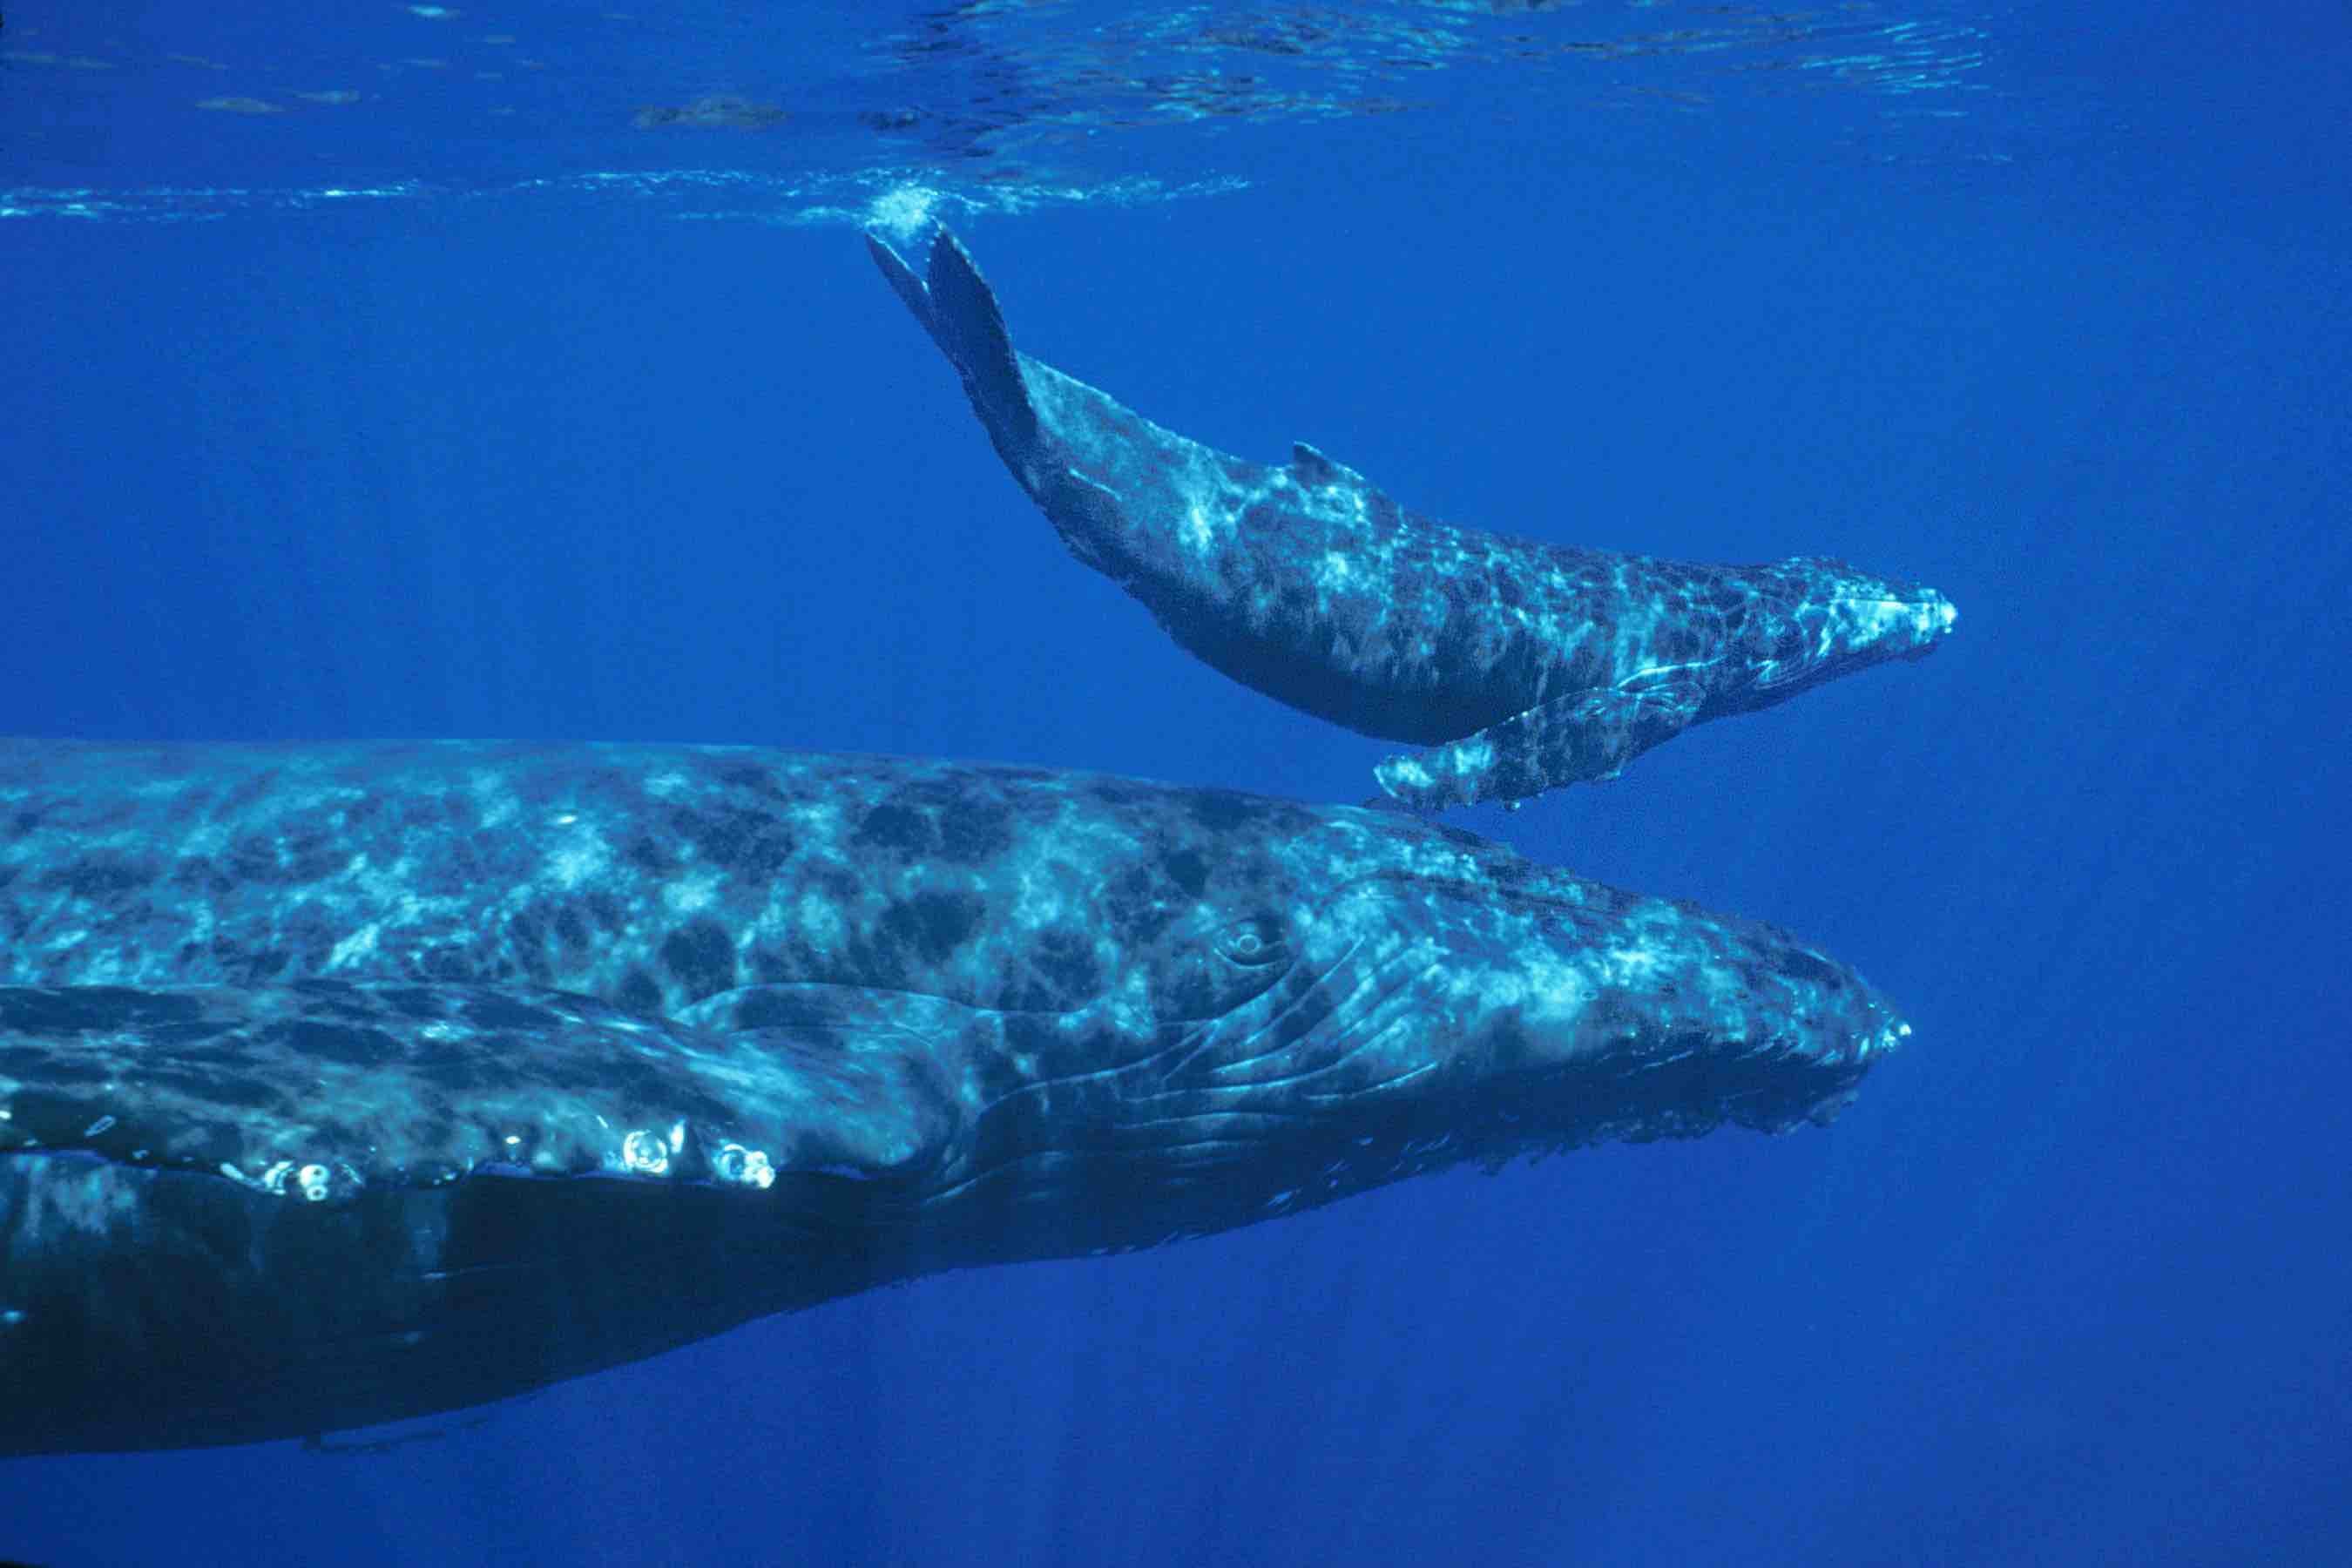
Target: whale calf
346,1083
1520,666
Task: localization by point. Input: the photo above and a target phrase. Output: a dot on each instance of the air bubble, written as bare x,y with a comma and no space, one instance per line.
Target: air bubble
746,1167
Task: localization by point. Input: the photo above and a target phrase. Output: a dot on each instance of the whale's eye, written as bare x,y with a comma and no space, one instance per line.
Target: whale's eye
1252,942
1207,970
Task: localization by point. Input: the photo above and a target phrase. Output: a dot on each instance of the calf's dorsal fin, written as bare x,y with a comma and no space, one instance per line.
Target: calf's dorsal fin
1314,468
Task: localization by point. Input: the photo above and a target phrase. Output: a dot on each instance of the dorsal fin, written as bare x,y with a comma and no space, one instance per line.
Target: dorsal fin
1314,468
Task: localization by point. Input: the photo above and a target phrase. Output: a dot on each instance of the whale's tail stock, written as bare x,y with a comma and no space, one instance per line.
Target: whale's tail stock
958,308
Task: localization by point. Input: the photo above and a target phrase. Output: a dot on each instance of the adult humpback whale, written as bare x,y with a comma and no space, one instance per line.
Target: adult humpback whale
1524,666
342,1083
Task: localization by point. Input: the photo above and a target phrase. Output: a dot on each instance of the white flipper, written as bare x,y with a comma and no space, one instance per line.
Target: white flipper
1585,735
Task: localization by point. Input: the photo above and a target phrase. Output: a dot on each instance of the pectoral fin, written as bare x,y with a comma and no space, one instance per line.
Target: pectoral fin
318,1090
860,1076
1585,735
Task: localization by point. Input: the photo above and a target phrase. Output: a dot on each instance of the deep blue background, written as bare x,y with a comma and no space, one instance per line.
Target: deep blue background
2069,1284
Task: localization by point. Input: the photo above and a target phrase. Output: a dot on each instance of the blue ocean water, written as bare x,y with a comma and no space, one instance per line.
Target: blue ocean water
542,388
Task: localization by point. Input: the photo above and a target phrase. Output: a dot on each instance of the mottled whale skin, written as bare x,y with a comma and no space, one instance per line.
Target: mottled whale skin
346,1083
1522,665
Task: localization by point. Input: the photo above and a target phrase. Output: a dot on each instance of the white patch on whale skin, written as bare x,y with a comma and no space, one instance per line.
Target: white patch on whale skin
692,893
66,941
1471,758
1196,534
1629,967
203,841
1867,623
1401,774
817,818
582,856
354,947
820,923
494,804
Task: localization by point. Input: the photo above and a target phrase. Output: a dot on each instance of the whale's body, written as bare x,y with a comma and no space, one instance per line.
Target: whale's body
344,1083
1523,666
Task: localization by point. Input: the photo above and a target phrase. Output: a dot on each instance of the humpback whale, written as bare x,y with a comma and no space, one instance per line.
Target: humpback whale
1519,666
345,1083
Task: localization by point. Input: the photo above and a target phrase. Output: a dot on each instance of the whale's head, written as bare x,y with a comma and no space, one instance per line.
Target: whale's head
1062,1012
1339,998
1803,622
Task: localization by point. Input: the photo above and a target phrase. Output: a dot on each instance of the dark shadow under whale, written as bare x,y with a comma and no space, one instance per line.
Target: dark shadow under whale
346,1083
1522,665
